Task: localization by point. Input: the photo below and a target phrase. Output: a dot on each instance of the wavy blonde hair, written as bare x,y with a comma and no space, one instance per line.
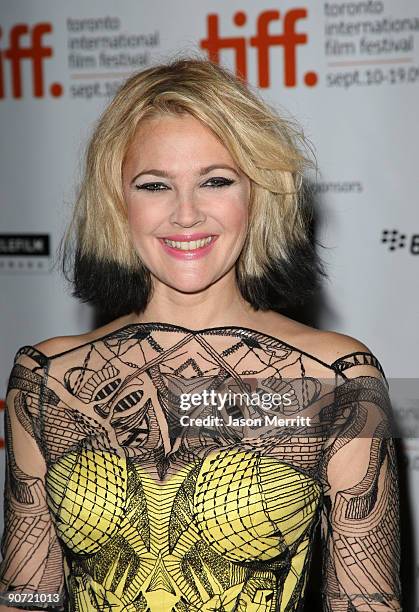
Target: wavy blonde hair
269,149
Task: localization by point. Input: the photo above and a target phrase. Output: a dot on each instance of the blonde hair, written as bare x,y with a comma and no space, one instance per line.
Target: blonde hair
267,148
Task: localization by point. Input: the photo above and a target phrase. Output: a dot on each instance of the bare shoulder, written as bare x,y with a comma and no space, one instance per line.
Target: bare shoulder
332,345
326,345
59,344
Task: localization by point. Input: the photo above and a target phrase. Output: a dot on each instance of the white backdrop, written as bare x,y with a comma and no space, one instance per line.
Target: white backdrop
347,71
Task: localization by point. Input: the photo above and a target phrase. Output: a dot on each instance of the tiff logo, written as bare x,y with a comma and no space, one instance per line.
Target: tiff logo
289,39
36,52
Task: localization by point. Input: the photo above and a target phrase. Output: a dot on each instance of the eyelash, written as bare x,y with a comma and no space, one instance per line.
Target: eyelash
225,183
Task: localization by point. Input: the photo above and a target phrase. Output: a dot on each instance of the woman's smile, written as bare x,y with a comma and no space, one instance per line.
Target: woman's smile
190,249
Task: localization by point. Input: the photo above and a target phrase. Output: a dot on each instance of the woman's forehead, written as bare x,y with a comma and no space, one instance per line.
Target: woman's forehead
164,136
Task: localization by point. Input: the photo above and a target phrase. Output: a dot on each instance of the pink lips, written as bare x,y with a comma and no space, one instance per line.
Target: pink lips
188,255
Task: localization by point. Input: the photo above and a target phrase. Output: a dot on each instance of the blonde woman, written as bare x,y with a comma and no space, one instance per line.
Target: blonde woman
137,478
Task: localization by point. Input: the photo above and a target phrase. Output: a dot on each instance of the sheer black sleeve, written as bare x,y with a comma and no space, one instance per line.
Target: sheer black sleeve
31,571
360,518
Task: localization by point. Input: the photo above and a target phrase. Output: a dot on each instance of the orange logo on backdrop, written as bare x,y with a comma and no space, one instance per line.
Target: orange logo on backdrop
290,39
34,51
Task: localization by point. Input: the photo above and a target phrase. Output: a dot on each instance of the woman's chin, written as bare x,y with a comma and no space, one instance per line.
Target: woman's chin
190,285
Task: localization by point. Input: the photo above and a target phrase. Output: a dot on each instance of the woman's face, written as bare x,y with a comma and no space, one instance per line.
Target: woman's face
181,184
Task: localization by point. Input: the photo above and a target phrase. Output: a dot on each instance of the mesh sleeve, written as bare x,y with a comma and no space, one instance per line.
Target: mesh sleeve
31,570
360,526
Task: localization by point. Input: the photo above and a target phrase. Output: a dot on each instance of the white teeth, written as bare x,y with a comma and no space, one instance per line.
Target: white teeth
188,246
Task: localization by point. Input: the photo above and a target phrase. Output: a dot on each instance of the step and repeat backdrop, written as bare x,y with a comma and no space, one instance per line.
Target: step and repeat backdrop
348,72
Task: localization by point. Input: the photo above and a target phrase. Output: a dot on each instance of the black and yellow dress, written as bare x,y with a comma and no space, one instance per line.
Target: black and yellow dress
130,489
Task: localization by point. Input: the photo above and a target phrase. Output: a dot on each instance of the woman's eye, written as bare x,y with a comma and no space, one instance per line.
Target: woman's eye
219,181
151,187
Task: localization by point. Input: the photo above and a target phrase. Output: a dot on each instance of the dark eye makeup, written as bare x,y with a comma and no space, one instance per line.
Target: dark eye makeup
151,187
220,181
217,182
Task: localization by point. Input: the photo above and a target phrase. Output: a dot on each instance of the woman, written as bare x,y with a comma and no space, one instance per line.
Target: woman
135,479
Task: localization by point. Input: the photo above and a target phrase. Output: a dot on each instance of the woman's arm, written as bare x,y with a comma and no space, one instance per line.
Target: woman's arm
360,518
32,558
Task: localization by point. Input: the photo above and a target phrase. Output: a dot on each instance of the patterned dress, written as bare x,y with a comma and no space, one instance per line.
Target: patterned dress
125,494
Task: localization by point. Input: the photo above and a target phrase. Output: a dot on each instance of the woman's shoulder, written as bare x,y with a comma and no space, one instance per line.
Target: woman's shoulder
61,344
329,346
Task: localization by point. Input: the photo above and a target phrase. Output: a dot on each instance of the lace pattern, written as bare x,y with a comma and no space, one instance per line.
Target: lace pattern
113,504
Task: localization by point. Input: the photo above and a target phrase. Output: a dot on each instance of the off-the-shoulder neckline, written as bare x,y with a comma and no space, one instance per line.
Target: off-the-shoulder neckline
188,330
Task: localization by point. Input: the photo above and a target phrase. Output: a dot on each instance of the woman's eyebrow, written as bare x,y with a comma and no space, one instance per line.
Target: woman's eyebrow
216,167
202,171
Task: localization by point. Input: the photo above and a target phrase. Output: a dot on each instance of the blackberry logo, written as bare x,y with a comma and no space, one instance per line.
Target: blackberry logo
396,240
393,239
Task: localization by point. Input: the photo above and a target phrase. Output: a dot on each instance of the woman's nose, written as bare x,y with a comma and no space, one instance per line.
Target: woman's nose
186,211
